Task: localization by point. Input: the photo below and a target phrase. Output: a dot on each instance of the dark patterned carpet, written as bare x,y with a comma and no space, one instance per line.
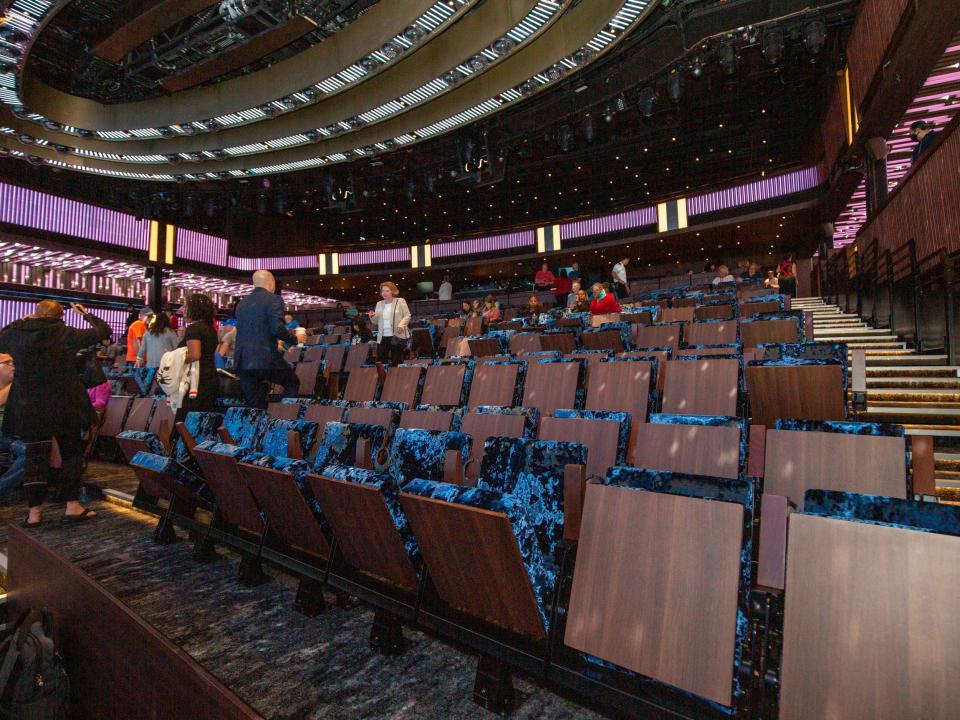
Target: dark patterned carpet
283,664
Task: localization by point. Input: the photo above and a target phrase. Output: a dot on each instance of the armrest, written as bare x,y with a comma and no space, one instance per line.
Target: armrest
858,379
188,440
922,465
225,436
165,434
574,488
453,467
469,477
772,557
381,373
757,450
294,447
363,459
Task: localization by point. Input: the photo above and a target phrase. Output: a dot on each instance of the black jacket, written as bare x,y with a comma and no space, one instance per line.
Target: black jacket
47,396
259,326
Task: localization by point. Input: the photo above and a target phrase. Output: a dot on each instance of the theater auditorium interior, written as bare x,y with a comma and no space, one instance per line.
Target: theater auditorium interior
573,359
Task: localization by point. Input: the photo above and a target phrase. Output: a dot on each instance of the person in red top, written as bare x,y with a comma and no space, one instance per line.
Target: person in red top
135,333
561,288
604,302
544,278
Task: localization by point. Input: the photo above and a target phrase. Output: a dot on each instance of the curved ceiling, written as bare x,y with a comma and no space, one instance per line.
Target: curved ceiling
394,75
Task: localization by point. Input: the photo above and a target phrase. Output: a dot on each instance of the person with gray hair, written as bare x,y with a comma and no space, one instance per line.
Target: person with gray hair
256,356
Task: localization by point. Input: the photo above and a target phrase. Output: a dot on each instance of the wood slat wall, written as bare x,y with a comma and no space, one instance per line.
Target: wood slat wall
875,27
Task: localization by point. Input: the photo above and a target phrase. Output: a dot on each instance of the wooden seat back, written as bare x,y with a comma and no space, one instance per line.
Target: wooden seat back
712,333
493,385
335,356
473,326
322,414
437,420
602,340
565,342
139,414
714,312
480,426
600,437
384,417
701,387
313,354
656,336
235,503
308,373
283,411
800,392
443,384
402,384
114,414
362,385
161,424
768,331
483,346
694,449
676,314
620,386
357,355
525,342
550,386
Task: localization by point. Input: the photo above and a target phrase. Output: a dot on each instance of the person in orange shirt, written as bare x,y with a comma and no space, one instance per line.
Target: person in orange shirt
135,333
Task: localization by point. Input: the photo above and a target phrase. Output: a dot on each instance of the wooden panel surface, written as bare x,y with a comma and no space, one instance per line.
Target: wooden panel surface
493,385
676,314
564,342
772,555
551,386
600,437
701,387
139,27
322,414
119,665
670,611
713,312
695,449
483,346
307,373
480,426
768,331
620,387
427,420
313,354
290,518
602,340
402,384
714,333
443,384
113,417
525,342
283,411
163,414
357,355
139,413
802,392
372,416
800,461
234,500
368,539
656,336
362,385
870,629
335,356
462,545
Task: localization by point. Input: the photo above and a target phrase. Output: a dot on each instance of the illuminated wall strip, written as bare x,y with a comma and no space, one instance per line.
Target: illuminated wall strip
153,254
293,262
616,222
848,111
548,239
199,247
50,213
769,188
375,257
169,251
328,263
420,256
672,215
485,244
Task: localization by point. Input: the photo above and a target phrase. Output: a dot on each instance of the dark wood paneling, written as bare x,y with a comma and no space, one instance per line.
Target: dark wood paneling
551,386
493,385
670,611
870,629
362,385
801,461
475,563
754,334
701,387
366,534
443,385
874,29
802,392
156,18
600,437
695,449
119,666
715,333
401,385
426,420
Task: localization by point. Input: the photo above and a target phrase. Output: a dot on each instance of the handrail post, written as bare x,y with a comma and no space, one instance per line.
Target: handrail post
915,276
890,291
858,269
950,341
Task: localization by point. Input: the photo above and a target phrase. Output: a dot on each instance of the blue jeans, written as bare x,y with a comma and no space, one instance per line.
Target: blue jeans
15,451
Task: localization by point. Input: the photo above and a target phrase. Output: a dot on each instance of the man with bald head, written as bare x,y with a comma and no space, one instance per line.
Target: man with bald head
47,400
256,356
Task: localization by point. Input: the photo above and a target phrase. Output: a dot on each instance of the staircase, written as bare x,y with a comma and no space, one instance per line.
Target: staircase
920,392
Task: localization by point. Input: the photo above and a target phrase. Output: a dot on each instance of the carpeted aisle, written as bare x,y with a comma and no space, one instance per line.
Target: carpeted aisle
283,664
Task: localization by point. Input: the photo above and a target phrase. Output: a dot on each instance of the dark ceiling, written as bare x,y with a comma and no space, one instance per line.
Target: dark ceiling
592,145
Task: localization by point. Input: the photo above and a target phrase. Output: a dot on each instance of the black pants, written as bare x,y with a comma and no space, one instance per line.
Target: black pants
254,390
620,290
388,352
788,286
37,467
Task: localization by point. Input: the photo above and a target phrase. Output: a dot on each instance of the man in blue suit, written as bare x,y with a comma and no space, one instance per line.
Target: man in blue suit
257,356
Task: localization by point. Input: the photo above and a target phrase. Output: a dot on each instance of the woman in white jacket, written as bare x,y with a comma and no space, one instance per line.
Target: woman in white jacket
392,318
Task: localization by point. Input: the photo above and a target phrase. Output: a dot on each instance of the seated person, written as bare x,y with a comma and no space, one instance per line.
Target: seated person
534,307
544,279
723,275
771,281
572,297
753,272
491,313
582,302
604,303
361,330
466,309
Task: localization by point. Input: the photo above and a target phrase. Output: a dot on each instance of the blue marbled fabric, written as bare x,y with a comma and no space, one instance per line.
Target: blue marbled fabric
237,452
846,428
144,378
390,490
594,351
182,475
421,453
709,421
245,425
543,355
741,492
521,377
502,338
531,416
778,298
154,444
539,566
338,444
623,420
583,317
274,438
201,426
834,351
736,349
532,472
929,517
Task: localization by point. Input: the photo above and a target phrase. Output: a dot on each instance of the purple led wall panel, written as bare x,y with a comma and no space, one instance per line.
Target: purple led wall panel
199,247
374,257
489,243
608,223
50,213
11,310
748,193
291,262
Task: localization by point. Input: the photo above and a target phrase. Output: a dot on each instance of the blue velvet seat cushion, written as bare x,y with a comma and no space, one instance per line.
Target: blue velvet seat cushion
237,452
909,514
539,566
274,440
416,453
201,426
338,444
245,425
844,427
154,444
532,472
181,474
531,416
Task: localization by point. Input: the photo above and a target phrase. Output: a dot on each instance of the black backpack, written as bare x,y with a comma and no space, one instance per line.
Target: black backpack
33,682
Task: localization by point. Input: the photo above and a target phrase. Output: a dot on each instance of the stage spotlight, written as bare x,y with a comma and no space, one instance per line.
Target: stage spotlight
728,59
608,114
564,138
773,45
674,87
648,97
696,67
814,35
620,103
588,128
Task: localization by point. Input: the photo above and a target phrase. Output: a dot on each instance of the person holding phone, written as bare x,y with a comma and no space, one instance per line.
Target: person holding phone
47,401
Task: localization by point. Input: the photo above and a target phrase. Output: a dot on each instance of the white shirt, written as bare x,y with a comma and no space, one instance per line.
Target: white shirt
388,318
620,273
445,292
725,279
